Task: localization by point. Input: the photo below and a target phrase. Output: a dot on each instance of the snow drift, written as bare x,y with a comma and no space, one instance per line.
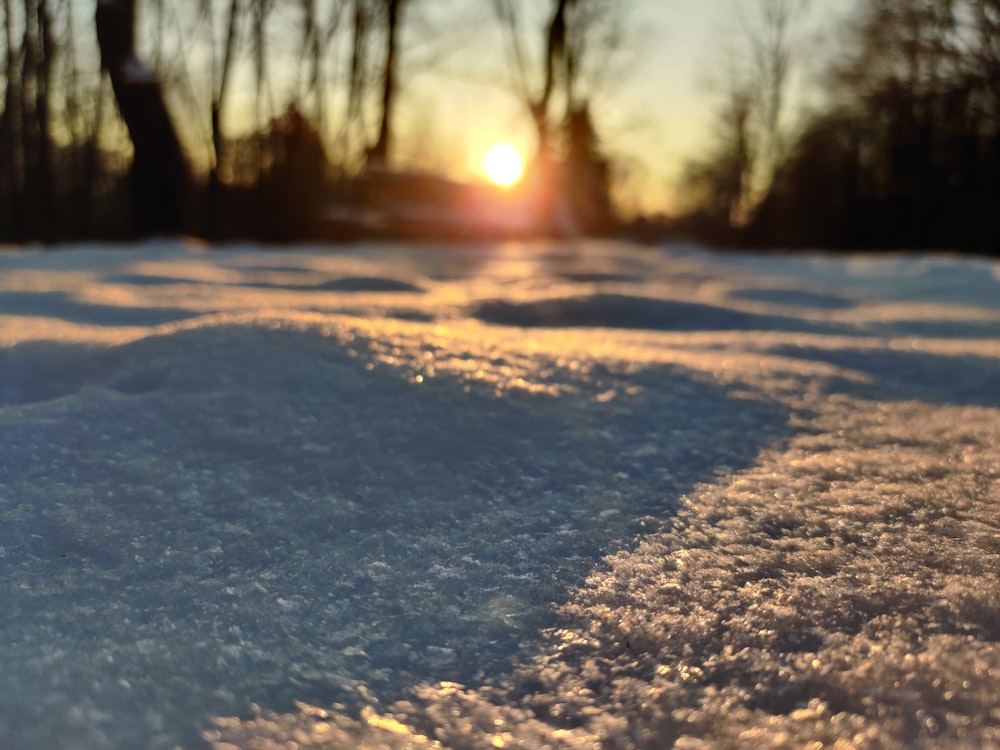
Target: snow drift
555,495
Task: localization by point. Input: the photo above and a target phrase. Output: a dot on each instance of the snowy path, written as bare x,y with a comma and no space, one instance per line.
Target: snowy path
243,477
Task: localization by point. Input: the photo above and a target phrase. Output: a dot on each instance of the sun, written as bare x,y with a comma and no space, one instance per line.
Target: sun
503,164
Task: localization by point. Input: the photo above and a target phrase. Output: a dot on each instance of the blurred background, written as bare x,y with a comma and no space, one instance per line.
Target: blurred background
764,123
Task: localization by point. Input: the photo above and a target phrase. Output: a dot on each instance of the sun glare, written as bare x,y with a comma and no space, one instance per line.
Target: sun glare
503,164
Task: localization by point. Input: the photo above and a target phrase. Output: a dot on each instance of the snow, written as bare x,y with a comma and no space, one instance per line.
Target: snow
567,495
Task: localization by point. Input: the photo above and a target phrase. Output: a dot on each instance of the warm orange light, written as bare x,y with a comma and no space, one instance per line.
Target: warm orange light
503,164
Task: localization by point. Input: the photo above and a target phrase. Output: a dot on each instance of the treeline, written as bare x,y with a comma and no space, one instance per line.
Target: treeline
280,108
906,153
69,149
55,178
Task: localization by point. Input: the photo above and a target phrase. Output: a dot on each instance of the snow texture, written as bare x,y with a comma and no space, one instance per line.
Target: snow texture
520,495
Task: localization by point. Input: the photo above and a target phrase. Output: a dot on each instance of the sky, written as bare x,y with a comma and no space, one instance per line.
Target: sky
651,121
457,97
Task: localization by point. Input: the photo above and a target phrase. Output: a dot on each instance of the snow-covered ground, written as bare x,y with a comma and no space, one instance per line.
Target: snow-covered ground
563,495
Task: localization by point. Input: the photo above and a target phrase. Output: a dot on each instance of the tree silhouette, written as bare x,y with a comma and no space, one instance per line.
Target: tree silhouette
906,153
727,185
220,89
378,155
918,151
159,177
903,151
570,175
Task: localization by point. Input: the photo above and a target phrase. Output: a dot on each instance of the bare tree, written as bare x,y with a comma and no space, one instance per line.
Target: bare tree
159,169
43,55
554,67
378,155
986,57
768,35
316,37
570,176
218,98
74,93
26,147
11,154
772,56
260,13
730,182
357,77
907,152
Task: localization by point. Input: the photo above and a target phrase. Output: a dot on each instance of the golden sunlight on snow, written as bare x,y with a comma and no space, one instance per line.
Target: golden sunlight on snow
830,579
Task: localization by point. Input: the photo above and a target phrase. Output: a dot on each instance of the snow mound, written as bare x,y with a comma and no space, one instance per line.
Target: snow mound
629,311
263,512
841,592
538,495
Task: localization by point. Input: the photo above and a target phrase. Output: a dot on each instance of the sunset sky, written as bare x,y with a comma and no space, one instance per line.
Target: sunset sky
658,115
457,97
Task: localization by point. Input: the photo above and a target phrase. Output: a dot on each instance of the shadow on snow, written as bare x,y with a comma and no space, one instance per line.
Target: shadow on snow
235,514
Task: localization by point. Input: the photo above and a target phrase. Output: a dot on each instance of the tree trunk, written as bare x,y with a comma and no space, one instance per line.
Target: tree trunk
159,177
11,121
43,83
357,78
550,198
214,207
91,165
260,10
379,154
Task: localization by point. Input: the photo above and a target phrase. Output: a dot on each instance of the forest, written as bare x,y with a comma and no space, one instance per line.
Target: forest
118,121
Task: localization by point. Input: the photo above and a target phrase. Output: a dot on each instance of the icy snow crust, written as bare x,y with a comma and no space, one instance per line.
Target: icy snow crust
585,495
